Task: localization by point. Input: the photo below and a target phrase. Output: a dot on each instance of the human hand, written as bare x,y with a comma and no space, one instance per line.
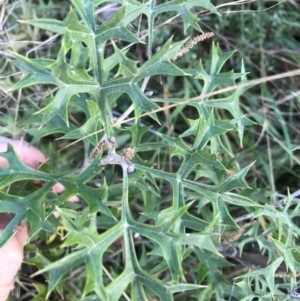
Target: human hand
11,255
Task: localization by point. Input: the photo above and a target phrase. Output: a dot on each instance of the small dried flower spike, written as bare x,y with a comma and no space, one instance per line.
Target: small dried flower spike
192,43
229,238
97,150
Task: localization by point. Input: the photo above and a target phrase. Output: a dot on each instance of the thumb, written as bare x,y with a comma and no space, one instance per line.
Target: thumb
11,256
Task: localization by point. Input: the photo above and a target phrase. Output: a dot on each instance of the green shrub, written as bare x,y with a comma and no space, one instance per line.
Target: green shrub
149,227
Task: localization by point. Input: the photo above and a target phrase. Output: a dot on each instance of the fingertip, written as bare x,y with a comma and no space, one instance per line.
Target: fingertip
58,188
73,199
